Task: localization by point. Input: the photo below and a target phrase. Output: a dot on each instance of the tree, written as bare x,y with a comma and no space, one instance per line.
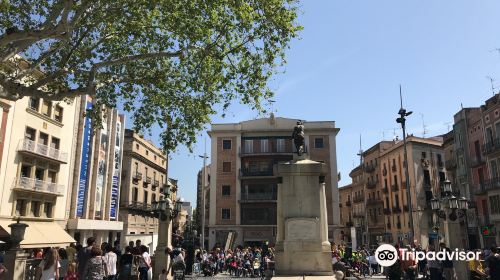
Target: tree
167,62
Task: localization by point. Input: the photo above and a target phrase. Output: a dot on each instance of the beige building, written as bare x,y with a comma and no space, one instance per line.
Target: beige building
143,182
93,208
37,167
243,186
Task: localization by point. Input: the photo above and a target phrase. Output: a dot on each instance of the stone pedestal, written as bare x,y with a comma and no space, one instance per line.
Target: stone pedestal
15,263
302,246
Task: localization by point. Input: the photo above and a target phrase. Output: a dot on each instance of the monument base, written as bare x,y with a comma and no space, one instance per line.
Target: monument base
305,263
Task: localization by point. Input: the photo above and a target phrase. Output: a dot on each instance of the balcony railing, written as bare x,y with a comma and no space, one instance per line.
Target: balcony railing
371,184
257,172
394,169
259,196
385,190
398,225
396,209
349,224
477,161
492,184
450,164
156,183
359,215
26,145
384,172
30,184
373,200
440,164
359,198
137,176
405,208
395,188
387,211
140,206
491,146
388,225
148,180
370,167
348,203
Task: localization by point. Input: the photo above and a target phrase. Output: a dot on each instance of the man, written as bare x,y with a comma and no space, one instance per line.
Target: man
138,244
448,268
84,255
494,263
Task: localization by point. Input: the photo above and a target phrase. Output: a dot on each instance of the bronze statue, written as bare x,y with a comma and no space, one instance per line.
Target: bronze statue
298,137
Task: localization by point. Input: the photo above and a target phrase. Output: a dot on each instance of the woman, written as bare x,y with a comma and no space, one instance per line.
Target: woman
126,264
95,267
110,259
49,266
145,263
63,260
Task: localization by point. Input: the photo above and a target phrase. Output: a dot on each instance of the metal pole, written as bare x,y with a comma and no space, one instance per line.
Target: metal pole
203,184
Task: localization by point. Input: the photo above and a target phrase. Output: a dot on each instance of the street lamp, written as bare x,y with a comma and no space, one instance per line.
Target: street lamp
402,120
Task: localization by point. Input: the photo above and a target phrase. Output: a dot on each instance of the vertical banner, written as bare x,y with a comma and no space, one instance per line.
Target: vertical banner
115,187
84,163
101,170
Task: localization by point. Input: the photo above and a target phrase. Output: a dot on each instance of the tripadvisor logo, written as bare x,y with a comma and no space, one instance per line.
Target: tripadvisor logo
386,255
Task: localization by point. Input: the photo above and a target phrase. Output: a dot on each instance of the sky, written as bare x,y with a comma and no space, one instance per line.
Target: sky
350,60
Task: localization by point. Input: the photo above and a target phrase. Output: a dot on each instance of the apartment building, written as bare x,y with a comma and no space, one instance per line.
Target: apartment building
346,219
36,168
243,186
93,208
143,182
358,207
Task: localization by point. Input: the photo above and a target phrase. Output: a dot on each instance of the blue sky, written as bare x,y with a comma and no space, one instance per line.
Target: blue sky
349,63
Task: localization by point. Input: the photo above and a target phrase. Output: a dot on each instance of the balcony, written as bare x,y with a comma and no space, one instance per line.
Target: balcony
385,190
370,167
492,184
155,185
450,164
388,225
348,203
249,172
491,146
33,148
394,169
398,225
359,215
387,211
271,149
269,196
38,186
405,208
396,209
440,164
349,224
137,176
395,188
358,198
477,162
139,206
373,200
384,172
371,184
147,181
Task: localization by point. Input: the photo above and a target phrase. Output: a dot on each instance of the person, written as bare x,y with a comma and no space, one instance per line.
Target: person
448,268
48,269
95,266
71,274
145,262
83,256
476,269
117,249
110,259
63,260
126,264
71,252
138,244
409,266
163,275
494,263
373,263
434,266
394,271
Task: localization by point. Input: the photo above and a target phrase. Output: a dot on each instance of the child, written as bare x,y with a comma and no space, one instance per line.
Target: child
71,274
163,275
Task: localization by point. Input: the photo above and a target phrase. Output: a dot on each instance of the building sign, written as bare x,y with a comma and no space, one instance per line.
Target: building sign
101,170
115,187
84,164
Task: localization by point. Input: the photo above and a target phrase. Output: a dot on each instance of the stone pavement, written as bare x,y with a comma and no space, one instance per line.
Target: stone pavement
227,276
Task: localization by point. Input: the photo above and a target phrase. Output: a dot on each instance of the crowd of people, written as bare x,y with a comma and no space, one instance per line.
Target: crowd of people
346,261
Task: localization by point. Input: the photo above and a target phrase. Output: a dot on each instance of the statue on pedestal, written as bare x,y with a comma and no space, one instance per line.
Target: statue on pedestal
298,137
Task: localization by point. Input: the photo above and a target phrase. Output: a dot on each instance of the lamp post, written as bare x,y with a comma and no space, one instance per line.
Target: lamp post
166,211
203,185
402,120
15,258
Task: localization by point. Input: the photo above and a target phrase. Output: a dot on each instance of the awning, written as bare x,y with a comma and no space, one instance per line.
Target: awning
40,234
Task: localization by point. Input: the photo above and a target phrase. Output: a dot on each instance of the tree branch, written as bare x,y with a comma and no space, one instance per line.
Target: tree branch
13,91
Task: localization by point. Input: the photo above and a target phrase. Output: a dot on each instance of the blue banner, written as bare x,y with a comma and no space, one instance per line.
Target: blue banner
84,164
116,172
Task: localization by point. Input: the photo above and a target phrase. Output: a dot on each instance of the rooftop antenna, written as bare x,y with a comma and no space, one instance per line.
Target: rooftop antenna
492,84
424,132
448,125
360,153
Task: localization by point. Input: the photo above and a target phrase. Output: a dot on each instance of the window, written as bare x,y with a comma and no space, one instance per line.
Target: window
153,197
52,176
47,209
35,208
136,166
25,171
226,214
226,144
20,207
226,166
145,197
39,173
264,145
30,134
146,171
58,113
137,146
489,135
46,108
147,152
135,194
248,146
34,103
497,128
494,169
43,139
280,145
55,143
226,190
495,204
424,155
318,143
